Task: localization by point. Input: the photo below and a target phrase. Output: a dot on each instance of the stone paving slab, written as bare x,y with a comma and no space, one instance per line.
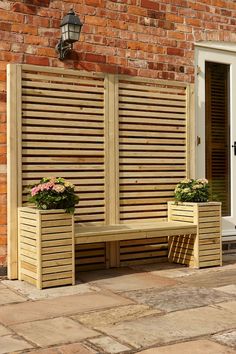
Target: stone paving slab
4,330
115,315
65,305
211,279
174,326
179,298
8,296
229,289
75,348
230,306
54,331
31,292
194,347
123,280
109,345
10,344
228,338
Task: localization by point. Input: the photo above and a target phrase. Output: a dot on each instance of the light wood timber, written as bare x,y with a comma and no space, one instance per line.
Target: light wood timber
208,230
42,257
13,165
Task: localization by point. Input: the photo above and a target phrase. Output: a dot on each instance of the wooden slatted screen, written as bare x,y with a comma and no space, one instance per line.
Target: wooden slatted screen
63,134
121,140
152,135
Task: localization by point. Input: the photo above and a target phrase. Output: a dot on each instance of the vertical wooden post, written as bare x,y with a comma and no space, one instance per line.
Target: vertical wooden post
190,132
112,160
13,164
39,250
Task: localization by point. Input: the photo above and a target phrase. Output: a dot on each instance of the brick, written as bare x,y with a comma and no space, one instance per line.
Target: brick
156,14
11,57
3,239
11,17
176,35
117,24
148,4
194,22
3,230
137,10
26,9
85,66
95,58
41,21
115,60
2,141
36,60
5,26
49,13
49,32
3,260
95,21
3,161
99,3
175,51
183,28
20,28
137,46
11,37
36,40
38,2
116,6
47,52
155,66
148,73
107,68
166,25
5,46
174,18
3,117
128,71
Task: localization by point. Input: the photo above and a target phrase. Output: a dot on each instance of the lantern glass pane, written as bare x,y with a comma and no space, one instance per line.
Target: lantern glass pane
74,32
65,32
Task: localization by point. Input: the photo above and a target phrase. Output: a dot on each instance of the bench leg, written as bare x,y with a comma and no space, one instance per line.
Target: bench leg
114,254
183,250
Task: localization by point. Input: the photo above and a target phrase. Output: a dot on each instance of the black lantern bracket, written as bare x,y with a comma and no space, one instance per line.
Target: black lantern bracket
63,49
70,33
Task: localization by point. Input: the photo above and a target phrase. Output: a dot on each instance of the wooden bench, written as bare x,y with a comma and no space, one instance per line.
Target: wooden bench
113,235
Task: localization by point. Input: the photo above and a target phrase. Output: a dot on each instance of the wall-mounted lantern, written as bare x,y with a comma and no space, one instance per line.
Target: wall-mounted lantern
70,33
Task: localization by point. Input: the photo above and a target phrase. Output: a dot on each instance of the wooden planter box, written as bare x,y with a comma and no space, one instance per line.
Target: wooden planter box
46,247
204,249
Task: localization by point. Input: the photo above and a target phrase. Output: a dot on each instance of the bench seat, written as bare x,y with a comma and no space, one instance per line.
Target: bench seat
136,243
94,234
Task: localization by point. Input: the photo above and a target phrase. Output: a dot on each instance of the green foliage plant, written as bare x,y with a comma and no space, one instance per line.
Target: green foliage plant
54,193
192,190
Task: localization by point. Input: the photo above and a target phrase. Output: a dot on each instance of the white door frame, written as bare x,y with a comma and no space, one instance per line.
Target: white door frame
220,53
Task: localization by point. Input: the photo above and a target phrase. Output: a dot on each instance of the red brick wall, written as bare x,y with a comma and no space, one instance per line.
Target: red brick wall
135,37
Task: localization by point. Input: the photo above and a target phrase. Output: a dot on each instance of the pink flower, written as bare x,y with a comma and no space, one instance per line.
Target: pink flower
46,186
34,190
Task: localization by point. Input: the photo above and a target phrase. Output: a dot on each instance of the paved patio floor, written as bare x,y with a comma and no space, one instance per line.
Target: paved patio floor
149,309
